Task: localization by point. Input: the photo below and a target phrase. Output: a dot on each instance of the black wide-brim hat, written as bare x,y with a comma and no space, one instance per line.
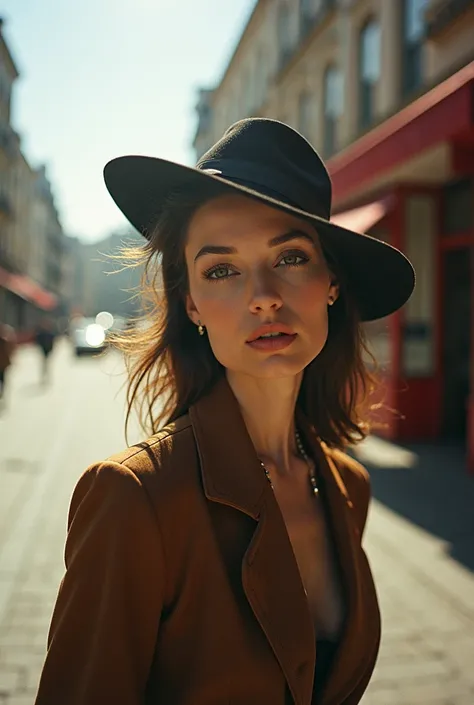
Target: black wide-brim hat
271,162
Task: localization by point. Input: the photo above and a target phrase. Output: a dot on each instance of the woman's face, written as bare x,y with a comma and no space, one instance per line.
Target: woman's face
253,271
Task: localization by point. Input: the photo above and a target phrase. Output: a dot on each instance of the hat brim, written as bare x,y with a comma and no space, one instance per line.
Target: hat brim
378,275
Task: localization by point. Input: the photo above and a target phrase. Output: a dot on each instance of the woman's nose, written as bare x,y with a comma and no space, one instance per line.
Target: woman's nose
264,296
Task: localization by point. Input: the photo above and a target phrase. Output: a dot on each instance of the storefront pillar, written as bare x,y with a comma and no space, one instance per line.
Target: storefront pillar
470,403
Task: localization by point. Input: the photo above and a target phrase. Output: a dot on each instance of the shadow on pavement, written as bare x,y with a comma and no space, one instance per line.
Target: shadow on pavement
428,484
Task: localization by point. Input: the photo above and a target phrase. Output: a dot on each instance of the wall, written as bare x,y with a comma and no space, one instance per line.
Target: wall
450,48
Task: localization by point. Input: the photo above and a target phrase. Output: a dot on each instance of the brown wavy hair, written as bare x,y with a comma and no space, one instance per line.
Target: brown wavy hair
170,366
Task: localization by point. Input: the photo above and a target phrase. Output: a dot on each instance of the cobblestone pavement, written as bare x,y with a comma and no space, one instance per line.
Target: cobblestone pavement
426,597
421,562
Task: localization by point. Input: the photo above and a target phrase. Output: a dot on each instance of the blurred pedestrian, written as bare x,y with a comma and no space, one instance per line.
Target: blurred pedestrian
7,345
45,336
221,561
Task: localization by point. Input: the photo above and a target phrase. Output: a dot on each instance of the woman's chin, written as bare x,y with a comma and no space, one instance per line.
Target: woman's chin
274,367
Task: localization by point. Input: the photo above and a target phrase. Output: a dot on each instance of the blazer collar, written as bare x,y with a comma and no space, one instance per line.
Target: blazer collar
231,471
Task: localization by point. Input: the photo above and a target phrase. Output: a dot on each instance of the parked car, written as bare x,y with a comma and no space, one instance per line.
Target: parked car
87,336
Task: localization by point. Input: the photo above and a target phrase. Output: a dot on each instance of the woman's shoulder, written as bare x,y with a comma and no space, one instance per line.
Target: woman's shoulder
160,451
156,465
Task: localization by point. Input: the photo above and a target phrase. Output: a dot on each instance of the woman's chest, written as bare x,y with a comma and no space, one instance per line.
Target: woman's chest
310,536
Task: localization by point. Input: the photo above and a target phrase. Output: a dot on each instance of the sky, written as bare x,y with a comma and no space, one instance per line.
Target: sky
103,78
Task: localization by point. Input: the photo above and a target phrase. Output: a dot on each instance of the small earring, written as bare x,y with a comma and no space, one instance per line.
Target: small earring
331,300
201,328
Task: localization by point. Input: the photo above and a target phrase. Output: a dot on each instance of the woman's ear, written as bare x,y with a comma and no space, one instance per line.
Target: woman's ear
334,289
191,309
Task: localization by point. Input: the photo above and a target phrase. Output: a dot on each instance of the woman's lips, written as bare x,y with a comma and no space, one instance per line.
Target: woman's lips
270,344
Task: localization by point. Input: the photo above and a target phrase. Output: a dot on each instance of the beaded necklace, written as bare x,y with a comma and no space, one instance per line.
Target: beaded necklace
311,475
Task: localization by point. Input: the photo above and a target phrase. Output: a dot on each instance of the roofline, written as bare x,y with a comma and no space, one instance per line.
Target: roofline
258,3
7,49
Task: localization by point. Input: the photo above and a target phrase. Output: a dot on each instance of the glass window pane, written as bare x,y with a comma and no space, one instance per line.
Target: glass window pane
306,114
370,52
284,27
458,207
333,92
414,19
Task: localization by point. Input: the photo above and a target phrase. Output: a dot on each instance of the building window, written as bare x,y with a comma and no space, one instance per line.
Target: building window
332,108
249,92
458,208
308,7
308,13
284,35
306,114
369,71
260,77
413,36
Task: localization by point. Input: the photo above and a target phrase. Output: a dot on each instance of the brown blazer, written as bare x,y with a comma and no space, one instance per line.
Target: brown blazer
181,585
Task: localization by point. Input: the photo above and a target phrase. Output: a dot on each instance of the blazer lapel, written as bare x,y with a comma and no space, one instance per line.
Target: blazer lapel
232,475
361,632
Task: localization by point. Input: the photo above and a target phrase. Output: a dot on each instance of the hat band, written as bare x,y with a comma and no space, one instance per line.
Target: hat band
275,185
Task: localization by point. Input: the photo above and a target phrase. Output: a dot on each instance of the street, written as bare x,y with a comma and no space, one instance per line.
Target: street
420,535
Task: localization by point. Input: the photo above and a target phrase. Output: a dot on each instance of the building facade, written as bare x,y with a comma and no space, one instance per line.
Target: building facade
385,92
31,237
103,281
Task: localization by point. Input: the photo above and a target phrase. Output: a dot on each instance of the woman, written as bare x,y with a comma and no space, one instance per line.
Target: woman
220,561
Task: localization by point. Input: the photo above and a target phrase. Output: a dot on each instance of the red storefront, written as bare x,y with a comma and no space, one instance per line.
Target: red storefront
21,299
410,181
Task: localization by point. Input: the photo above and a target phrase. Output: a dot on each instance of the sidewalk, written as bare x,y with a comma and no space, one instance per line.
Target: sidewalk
48,436
420,541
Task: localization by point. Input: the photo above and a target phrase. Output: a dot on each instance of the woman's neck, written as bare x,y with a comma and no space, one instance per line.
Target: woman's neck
268,410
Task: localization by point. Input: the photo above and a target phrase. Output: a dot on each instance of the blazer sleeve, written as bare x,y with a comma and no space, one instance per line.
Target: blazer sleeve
107,614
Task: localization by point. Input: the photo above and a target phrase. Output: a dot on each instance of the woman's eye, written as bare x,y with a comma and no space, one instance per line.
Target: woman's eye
221,272
293,260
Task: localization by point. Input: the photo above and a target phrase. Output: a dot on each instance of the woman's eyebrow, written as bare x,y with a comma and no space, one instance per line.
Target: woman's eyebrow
215,250
291,235
273,242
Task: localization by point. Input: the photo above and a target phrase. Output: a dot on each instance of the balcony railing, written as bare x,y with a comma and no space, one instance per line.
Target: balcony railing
441,13
308,22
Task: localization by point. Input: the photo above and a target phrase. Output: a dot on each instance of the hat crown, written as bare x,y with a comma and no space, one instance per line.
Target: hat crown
271,155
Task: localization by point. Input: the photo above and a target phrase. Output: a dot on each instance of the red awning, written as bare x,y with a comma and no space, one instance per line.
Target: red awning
438,116
27,289
364,218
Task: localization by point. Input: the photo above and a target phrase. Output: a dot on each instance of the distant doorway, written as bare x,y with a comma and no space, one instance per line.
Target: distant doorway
456,340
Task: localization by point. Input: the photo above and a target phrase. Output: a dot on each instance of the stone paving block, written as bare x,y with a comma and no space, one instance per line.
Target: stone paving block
383,696
10,679
33,676
19,656
399,649
463,700
29,674
27,698
433,691
11,638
